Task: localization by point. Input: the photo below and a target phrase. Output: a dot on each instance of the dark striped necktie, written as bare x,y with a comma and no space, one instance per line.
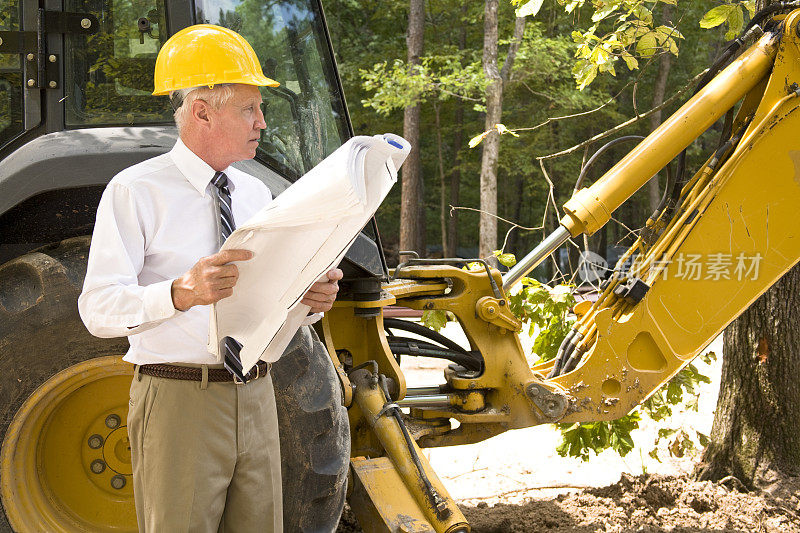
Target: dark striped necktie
232,360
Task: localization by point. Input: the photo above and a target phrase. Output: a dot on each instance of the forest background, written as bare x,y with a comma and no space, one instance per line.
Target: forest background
602,87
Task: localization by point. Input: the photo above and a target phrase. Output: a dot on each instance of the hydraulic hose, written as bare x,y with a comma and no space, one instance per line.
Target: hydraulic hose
600,152
412,327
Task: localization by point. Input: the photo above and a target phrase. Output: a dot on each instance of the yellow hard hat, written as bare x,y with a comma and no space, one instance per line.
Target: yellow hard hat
207,55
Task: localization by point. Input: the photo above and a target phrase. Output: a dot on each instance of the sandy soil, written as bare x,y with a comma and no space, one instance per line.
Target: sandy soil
516,482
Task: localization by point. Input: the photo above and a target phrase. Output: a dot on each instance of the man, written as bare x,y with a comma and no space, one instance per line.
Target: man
204,445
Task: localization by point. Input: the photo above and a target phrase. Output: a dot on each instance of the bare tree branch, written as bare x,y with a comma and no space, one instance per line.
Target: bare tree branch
625,124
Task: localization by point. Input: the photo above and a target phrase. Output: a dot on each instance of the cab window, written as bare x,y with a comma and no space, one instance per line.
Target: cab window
11,104
305,116
109,74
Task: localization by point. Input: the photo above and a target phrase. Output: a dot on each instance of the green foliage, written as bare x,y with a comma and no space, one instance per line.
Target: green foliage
731,14
577,440
395,85
627,31
541,86
620,30
546,310
680,392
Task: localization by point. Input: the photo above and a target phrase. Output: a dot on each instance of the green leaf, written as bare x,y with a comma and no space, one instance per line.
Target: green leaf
531,8
672,2
605,11
647,45
508,260
717,16
630,61
750,6
435,319
735,23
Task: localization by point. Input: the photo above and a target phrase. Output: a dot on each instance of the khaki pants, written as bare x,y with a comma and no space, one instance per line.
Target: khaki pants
205,456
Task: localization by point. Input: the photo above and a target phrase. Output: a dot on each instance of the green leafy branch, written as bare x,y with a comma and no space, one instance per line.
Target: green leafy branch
731,14
396,85
626,30
632,35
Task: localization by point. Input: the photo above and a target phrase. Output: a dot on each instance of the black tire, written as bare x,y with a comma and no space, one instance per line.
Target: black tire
315,436
41,334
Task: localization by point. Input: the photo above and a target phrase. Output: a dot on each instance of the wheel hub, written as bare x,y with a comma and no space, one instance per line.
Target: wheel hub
106,453
65,465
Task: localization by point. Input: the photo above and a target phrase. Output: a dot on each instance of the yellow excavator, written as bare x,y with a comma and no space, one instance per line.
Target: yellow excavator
715,244
74,110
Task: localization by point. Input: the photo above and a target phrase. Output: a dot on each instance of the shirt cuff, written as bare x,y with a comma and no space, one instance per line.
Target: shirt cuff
310,319
158,303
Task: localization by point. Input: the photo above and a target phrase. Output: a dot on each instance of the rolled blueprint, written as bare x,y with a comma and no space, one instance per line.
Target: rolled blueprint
296,239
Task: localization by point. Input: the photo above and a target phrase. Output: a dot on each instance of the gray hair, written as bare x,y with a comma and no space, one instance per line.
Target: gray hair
182,99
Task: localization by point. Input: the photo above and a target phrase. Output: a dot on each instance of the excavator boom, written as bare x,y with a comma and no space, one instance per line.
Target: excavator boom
718,241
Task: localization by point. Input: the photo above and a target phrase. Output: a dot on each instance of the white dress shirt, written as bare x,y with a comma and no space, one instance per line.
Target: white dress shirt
154,221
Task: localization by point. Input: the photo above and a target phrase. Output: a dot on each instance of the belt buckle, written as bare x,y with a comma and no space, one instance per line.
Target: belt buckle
247,379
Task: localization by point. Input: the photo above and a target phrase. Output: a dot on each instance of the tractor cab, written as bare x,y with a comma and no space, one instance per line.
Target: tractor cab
76,78
76,103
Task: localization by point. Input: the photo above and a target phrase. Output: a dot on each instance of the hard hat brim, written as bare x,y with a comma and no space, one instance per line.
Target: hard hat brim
261,81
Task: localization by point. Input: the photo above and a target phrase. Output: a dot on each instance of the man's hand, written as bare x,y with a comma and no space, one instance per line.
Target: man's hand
322,294
211,279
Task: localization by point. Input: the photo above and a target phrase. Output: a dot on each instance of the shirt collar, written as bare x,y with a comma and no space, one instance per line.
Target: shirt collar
195,170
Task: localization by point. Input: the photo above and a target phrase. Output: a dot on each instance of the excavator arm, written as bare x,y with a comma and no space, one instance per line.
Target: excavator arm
730,235
716,244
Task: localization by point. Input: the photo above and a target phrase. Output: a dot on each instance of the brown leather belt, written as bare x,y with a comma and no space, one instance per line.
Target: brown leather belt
191,373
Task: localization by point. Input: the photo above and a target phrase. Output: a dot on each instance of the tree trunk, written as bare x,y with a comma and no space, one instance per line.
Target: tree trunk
487,233
412,201
442,182
756,431
458,141
659,91
455,182
494,110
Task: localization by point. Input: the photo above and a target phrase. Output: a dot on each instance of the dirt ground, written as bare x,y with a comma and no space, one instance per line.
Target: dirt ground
516,482
647,503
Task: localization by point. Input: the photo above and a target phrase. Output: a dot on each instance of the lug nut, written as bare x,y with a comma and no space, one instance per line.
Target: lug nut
31,82
118,482
52,58
29,57
113,421
86,24
97,466
1,40
53,85
95,441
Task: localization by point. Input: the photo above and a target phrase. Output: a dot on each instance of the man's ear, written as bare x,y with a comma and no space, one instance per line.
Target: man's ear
199,113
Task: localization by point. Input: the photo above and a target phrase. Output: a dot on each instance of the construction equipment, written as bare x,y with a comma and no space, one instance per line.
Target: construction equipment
63,462
76,108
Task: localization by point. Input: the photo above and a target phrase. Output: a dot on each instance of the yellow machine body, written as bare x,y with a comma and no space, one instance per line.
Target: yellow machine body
737,220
